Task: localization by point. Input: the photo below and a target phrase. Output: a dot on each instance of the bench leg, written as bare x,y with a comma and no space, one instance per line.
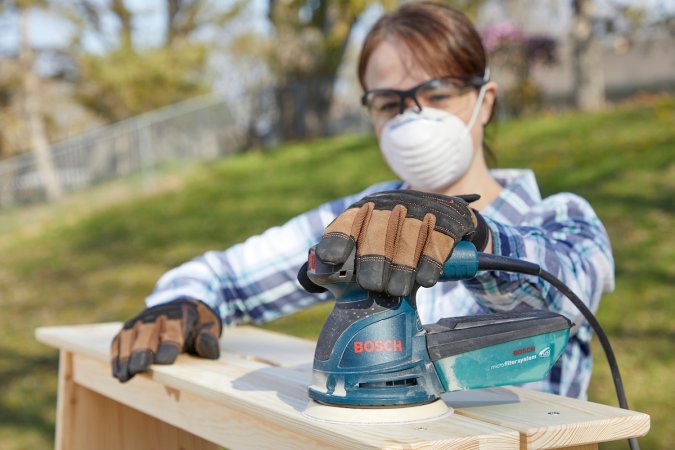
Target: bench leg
87,420
65,402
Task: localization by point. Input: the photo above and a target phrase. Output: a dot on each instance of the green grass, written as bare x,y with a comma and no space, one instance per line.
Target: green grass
96,256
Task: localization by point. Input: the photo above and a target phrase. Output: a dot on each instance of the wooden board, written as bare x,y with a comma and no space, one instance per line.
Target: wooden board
260,384
547,421
115,426
244,400
275,349
200,416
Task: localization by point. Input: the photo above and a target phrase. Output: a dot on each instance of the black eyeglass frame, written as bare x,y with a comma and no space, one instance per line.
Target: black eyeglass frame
474,82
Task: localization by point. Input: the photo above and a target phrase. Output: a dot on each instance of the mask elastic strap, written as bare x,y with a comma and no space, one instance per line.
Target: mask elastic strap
479,100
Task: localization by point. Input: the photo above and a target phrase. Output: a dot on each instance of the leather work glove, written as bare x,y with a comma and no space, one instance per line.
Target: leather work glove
158,334
402,237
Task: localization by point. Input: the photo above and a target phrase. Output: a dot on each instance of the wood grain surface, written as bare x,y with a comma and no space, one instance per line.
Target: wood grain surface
255,394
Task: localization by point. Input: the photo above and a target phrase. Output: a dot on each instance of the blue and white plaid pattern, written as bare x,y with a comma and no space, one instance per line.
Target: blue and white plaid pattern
256,280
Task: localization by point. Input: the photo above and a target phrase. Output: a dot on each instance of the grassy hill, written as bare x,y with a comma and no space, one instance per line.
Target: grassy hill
94,257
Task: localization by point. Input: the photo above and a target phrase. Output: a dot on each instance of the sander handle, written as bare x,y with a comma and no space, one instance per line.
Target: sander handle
462,263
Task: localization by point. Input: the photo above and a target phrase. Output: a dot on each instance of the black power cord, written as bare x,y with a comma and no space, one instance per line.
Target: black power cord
488,261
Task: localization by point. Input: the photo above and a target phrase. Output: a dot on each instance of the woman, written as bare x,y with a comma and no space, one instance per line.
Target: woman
427,90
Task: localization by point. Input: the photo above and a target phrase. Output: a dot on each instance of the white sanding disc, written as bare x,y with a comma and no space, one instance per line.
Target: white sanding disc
363,416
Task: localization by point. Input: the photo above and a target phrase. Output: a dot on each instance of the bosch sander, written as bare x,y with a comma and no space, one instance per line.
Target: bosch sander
375,362
373,351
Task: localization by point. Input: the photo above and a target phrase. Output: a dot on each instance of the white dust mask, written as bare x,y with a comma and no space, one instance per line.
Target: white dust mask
430,149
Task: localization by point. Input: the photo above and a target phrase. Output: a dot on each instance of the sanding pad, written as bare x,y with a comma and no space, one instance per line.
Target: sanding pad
362,416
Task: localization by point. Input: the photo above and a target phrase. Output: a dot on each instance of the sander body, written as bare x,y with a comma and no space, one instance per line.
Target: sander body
374,352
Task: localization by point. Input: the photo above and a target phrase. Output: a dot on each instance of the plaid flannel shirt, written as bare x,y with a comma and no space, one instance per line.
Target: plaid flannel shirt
256,280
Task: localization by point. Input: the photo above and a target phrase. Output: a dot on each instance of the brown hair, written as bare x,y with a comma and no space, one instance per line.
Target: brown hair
442,40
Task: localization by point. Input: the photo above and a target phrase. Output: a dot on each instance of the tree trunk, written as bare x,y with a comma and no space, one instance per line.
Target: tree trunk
589,83
318,101
120,10
304,108
37,135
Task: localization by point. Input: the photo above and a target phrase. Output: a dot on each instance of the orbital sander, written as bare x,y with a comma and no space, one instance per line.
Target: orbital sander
376,363
374,352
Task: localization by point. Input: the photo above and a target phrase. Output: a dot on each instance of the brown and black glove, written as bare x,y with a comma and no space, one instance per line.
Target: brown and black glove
158,334
402,237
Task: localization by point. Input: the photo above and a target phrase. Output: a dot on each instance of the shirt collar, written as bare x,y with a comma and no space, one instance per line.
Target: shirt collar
519,195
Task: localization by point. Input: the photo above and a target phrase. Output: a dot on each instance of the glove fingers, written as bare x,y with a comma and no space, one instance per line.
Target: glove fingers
436,251
375,249
167,352
158,334
208,330
207,345
171,335
140,361
147,336
171,340
411,240
335,248
428,272
341,235
372,272
188,323
200,319
402,238
115,355
144,345
401,280
208,321
121,363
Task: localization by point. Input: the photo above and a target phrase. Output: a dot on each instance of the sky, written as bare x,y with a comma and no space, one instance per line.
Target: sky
49,30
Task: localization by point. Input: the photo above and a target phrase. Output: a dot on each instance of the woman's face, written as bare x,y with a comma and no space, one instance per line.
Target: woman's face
392,66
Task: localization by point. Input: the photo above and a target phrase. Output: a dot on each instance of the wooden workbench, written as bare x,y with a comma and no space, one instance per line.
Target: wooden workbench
253,397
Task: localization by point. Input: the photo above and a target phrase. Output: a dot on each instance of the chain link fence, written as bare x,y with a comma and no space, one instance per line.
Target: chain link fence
198,129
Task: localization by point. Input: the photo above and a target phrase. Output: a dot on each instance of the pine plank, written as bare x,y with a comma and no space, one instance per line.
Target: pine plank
181,410
104,424
547,421
253,343
260,383
224,403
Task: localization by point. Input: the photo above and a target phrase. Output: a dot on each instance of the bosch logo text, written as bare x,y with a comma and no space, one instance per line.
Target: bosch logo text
380,345
522,351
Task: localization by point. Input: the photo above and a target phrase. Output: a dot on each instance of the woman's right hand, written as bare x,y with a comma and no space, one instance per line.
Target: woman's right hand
402,237
158,334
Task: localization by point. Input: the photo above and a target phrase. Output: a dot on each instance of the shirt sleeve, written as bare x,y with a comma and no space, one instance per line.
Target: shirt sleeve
256,280
564,236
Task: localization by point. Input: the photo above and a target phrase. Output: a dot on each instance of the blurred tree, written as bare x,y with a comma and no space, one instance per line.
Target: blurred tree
22,99
593,24
124,82
304,53
589,84
128,80
11,141
122,79
468,7
514,53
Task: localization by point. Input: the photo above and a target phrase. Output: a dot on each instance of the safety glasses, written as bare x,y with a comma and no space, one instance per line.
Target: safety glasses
440,93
